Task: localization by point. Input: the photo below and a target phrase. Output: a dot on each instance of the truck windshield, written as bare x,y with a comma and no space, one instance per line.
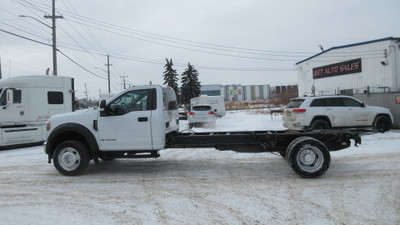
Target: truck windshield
2,97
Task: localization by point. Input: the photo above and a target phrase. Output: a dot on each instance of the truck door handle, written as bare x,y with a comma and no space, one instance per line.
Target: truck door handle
143,119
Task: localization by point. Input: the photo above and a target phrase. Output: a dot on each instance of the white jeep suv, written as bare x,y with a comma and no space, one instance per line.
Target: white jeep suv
325,112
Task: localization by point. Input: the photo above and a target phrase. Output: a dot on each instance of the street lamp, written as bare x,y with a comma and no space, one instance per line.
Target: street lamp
26,16
54,45
53,17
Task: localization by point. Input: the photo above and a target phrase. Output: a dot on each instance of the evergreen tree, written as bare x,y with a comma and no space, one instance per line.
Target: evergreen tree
170,76
190,84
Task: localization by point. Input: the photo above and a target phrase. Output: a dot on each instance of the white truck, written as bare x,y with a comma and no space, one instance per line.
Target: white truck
141,121
27,102
217,103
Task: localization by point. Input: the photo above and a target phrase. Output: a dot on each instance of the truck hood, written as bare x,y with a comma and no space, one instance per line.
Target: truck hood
84,117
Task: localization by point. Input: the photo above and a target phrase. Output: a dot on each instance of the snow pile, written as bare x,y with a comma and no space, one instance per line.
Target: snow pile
205,186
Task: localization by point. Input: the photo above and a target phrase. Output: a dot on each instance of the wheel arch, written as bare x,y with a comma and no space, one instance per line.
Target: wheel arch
382,114
320,117
72,131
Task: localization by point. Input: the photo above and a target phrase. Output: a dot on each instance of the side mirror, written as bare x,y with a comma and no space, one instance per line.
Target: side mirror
215,110
363,104
104,110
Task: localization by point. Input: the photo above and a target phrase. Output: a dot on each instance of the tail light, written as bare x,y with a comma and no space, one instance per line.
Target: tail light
211,112
192,113
299,110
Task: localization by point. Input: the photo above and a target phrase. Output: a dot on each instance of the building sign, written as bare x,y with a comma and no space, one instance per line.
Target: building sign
397,99
235,92
342,68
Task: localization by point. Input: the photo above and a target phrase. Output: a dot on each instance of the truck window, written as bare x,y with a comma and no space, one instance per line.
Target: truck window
17,95
3,97
55,97
169,99
137,100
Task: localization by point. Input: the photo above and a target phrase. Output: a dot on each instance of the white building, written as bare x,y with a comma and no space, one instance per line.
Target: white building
237,92
365,67
212,90
255,92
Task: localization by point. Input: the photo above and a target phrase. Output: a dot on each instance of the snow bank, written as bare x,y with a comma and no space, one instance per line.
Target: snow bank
205,186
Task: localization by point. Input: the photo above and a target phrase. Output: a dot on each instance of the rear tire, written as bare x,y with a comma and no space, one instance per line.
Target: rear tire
382,124
71,158
308,157
320,125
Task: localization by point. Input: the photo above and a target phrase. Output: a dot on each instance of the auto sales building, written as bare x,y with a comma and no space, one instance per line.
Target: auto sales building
370,71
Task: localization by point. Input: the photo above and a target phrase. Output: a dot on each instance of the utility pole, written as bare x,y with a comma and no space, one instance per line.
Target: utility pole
108,72
86,92
124,81
53,18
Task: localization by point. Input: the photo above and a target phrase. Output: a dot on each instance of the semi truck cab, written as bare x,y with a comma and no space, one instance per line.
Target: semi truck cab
27,102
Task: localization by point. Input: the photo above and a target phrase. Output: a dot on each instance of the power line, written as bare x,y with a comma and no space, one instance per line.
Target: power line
39,42
26,38
82,67
156,38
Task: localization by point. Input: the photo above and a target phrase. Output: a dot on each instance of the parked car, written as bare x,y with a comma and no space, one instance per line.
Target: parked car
325,112
217,103
201,115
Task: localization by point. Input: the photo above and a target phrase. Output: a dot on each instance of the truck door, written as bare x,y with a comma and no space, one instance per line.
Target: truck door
12,109
125,123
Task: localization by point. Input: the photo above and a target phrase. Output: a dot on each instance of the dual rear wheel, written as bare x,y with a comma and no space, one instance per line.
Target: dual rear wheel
308,157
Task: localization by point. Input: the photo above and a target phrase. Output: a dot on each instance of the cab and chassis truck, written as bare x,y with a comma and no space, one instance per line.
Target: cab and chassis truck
141,121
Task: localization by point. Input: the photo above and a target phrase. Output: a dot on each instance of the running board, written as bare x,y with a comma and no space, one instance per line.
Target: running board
131,155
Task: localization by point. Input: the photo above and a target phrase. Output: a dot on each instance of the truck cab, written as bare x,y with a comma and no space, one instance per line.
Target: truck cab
27,102
133,124
143,117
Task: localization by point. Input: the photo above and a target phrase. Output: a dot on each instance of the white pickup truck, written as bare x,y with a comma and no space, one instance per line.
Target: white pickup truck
140,121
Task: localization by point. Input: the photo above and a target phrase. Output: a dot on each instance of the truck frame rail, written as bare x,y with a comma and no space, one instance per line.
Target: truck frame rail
306,152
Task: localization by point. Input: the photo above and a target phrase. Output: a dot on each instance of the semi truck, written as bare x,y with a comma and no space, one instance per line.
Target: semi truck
27,102
141,121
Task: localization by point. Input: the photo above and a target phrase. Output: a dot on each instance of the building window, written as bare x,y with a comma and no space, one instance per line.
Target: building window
55,97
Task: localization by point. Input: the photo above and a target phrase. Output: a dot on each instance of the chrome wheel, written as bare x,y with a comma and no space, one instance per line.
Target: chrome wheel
310,158
69,159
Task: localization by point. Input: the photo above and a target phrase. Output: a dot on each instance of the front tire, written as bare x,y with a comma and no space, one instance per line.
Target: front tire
71,158
382,124
308,157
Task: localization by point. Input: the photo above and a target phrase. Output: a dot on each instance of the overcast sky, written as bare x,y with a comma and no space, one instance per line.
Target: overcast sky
228,41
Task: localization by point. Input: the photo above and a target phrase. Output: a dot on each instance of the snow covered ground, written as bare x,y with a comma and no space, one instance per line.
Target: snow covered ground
205,186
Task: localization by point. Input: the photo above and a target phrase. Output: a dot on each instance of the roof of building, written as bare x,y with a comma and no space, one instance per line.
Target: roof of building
350,45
